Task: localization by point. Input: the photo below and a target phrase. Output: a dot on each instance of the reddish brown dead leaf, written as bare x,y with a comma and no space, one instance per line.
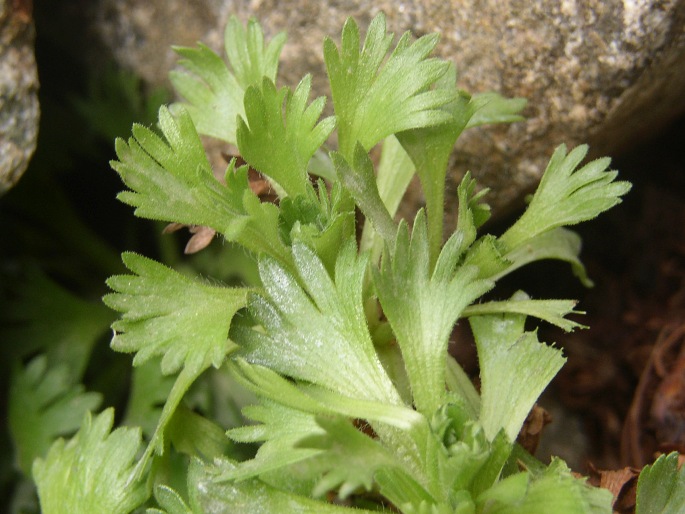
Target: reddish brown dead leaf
200,239
529,436
258,183
621,483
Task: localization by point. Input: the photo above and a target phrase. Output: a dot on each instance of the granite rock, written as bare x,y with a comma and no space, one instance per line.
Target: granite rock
19,109
606,72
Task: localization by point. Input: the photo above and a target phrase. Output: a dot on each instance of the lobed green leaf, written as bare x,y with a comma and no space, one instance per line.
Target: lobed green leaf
213,93
555,490
93,471
661,487
489,108
281,121
349,458
307,318
373,101
169,500
210,496
567,196
279,429
558,243
514,367
319,400
44,404
167,314
182,320
171,180
551,311
422,305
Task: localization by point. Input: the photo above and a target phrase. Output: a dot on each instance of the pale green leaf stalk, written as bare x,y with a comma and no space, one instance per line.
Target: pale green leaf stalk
149,391
430,147
393,177
359,180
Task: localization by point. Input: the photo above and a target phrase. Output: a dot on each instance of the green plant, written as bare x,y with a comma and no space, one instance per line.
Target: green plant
338,347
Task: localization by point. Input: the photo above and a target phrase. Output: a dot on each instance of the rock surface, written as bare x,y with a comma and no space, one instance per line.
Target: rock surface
19,109
606,72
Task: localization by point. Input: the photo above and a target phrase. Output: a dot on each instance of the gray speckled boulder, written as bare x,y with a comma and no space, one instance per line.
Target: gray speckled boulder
606,72
19,110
